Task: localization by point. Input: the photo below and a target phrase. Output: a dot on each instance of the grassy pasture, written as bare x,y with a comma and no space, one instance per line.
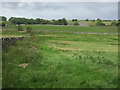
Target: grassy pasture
62,60
105,29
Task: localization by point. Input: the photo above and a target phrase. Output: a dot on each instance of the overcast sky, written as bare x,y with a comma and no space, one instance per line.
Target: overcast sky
56,10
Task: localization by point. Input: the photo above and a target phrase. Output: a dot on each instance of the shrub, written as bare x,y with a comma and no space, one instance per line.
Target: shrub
3,24
28,29
86,19
74,20
114,23
76,23
99,23
19,28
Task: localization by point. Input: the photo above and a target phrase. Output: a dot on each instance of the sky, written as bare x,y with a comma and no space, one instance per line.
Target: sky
57,10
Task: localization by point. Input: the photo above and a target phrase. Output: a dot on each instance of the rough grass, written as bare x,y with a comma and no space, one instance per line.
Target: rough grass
49,66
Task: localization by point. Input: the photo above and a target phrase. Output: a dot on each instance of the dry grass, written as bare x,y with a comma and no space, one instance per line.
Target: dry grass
79,45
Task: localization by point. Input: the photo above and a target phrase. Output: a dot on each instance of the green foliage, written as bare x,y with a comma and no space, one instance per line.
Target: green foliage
113,23
86,19
60,22
38,21
93,20
19,21
28,29
118,23
98,19
99,23
76,23
2,24
74,20
3,18
20,28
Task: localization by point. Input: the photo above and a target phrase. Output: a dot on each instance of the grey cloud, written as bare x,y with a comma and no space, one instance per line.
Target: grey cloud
69,10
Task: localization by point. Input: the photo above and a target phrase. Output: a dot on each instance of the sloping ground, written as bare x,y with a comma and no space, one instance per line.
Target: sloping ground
62,60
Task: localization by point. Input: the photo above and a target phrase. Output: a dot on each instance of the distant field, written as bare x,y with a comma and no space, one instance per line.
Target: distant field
105,29
61,59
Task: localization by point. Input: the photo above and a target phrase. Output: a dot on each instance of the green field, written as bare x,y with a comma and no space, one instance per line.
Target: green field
61,59
104,29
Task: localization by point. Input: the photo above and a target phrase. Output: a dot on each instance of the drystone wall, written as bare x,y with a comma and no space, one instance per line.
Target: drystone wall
6,42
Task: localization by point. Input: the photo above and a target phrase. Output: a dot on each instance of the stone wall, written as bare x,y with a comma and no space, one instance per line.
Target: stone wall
8,41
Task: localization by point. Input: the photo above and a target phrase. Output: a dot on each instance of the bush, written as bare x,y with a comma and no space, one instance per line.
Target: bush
118,23
99,23
86,19
114,23
74,20
19,28
3,24
28,29
76,23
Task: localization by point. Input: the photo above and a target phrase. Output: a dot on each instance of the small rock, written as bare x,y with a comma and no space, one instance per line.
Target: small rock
24,65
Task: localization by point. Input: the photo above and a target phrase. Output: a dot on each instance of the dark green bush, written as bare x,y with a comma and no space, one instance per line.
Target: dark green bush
28,29
3,24
99,23
76,23
19,28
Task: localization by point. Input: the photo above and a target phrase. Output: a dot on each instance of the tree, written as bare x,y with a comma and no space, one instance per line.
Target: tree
98,19
30,21
86,19
53,19
38,21
93,20
17,20
74,20
3,18
60,22
64,21
43,21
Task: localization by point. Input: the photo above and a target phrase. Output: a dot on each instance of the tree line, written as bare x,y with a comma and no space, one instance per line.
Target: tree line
19,21
63,21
